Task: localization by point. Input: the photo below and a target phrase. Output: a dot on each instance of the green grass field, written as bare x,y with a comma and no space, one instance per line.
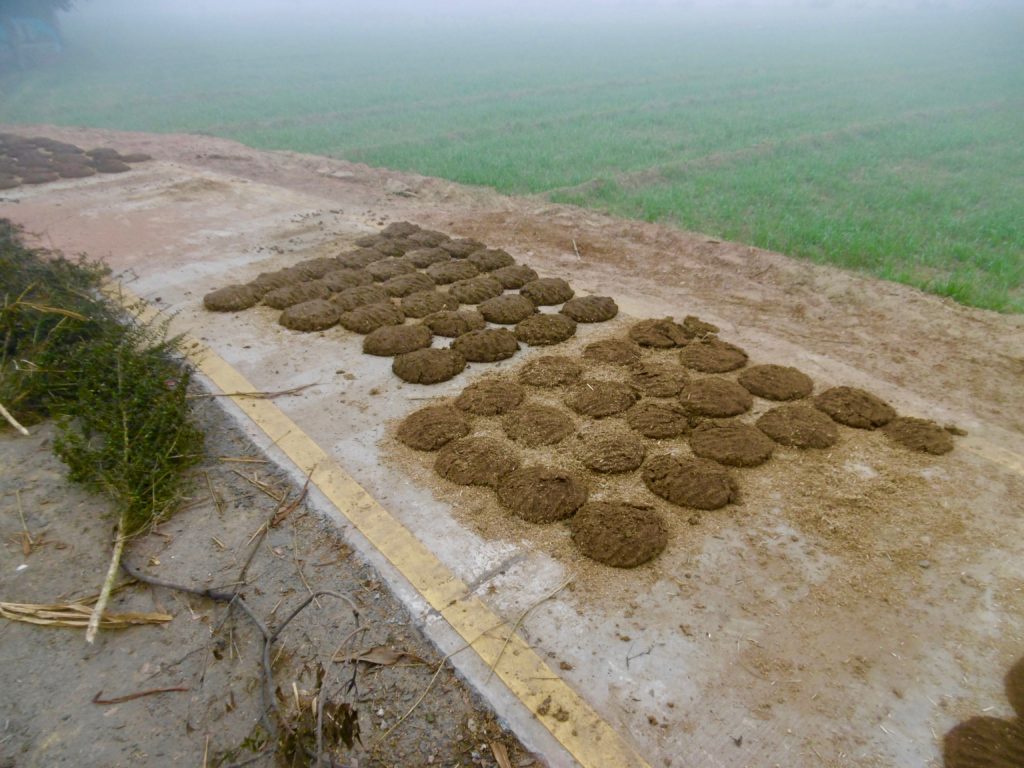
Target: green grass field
889,143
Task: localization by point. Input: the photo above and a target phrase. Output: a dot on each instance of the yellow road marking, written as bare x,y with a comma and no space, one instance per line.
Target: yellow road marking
585,734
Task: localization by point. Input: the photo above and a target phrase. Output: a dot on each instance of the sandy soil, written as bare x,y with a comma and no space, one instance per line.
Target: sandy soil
853,608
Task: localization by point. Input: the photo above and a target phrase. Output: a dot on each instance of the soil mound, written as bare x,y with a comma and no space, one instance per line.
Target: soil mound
776,382
659,379
452,271
422,258
452,324
423,303
550,371
541,495
984,742
515,276
342,279
476,289
855,407
313,315
590,309
547,291
370,317
403,285
715,397
613,351
658,419
384,270
610,452
296,293
598,399
799,426
486,346
507,309
545,329
230,298
360,258
490,259
733,444
476,461
490,397
696,483
428,366
662,334
460,248
618,534
712,355
391,340
360,296
919,435
432,427
536,425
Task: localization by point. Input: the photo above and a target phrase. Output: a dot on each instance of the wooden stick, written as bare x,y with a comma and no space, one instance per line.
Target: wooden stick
12,421
132,696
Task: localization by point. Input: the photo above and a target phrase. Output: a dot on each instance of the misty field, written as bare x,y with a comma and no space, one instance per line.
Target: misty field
888,143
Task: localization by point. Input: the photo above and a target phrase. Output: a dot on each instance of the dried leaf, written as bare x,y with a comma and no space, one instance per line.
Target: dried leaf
382,656
75,615
500,753
341,721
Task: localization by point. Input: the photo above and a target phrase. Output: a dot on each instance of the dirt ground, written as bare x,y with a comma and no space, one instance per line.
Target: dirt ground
51,676
850,610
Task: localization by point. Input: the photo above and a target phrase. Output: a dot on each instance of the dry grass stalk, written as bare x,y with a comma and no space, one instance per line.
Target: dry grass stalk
75,615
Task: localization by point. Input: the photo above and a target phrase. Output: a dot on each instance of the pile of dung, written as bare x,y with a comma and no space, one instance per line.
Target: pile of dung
38,160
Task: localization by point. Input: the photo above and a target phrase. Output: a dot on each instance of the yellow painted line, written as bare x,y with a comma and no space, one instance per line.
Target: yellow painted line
585,735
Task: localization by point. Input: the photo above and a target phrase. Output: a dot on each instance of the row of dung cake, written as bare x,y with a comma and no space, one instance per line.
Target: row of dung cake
656,400
40,160
411,273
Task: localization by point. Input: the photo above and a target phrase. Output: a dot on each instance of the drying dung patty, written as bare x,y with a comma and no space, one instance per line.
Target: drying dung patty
39,177
694,327
476,289
731,443
403,285
696,483
460,248
427,237
490,397
550,371
399,229
799,426
590,309
507,309
613,351
432,427
855,407
395,247
776,382
919,435
136,157
360,258
391,340
370,317
515,276
428,366
712,355
230,298
486,346
384,270
662,334
476,461
423,303
360,296
313,315
715,397
658,419
111,165
984,742
422,258
452,324
618,534
1014,685
598,399
73,171
542,329
265,282
655,379
542,495
368,241
610,452
547,291
296,293
452,271
9,182
338,280
314,269
536,425
490,259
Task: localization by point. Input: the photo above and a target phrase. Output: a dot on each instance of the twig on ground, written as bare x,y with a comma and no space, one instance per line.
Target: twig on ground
264,487
132,696
12,421
519,621
255,395
217,500
26,541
